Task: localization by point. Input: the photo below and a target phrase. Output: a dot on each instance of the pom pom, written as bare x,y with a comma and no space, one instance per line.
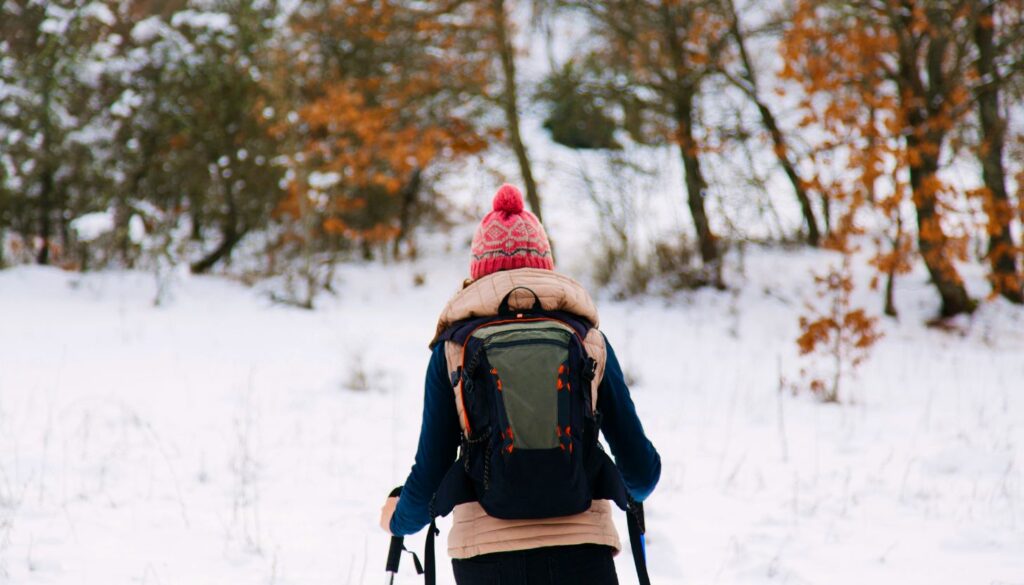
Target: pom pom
508,200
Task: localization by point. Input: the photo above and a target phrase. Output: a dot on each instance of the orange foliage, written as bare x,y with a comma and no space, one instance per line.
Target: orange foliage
862,70
840,334
388,109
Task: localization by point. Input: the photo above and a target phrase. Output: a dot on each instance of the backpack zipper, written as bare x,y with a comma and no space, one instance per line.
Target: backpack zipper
499,344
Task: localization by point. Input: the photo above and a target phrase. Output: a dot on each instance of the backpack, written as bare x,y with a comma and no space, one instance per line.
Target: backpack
530,426
530,446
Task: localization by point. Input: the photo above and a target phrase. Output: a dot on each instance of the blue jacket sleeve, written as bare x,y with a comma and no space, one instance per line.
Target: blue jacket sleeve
635,456
438,447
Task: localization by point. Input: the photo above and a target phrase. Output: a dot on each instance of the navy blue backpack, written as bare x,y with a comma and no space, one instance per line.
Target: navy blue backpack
530,446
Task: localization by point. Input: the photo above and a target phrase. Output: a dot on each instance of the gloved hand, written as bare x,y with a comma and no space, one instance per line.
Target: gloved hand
386,512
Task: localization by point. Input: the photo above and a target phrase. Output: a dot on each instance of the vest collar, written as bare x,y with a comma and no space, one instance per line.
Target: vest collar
482,297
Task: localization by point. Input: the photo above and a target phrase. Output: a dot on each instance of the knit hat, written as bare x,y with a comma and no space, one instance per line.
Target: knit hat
509,237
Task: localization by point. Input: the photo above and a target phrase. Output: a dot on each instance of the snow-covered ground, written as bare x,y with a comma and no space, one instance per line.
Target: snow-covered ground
222,439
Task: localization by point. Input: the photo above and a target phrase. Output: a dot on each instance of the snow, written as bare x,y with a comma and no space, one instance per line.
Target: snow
218,438
126,103
321,181
9,110
56,21
211,21
91,226
95,133
100,12
147,29
136,229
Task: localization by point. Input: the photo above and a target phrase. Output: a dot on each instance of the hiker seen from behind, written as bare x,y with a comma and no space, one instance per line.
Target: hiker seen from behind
520,384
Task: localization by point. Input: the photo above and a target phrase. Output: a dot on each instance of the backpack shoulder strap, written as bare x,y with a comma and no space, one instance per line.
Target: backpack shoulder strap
453,355
594,344
454,339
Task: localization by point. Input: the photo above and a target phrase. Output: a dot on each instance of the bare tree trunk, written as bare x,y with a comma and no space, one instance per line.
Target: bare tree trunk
1002,256
122,236
198,219
890,302
931,239
63,225
922,99
826,214
45,213
46,180
232,234
782,153
510,104
4,220
409,195
231,237
695,189
890,275
684,91
771,125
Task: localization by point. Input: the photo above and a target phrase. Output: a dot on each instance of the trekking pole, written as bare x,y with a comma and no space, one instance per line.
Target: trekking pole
637,541
394,555
397,546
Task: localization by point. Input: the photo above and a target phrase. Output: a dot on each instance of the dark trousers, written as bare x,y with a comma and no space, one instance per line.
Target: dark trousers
583,564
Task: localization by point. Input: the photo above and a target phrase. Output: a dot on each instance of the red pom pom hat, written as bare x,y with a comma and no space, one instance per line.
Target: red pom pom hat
509,237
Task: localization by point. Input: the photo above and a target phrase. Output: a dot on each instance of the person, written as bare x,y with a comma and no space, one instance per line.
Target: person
510,250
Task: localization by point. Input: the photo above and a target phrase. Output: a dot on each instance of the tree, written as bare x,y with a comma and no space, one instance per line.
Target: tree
893,78
657,53
997,34
839,334
748,81
508,97
227,124
577,116
174,129
46,116
385,97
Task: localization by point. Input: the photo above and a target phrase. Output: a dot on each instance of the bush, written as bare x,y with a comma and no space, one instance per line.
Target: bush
577,115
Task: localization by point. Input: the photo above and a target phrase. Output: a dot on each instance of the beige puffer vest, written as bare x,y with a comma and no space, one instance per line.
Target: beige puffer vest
473,531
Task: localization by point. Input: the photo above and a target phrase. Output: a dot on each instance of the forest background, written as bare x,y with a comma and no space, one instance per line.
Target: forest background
267,139
803,221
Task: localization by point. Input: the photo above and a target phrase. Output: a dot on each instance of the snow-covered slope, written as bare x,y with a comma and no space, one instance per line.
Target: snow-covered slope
221,439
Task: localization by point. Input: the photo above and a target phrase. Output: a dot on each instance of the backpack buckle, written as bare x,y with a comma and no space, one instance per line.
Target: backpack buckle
591,371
